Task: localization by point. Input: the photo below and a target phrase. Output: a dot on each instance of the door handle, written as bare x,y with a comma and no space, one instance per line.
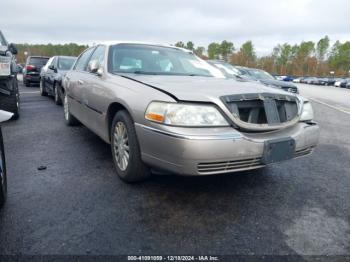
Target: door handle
80,81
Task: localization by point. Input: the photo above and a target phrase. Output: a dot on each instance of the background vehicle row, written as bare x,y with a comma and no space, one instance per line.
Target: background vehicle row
32,69
52,74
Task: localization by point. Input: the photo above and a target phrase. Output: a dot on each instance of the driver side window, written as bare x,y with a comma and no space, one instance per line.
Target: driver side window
49,62
53,63
83,59
99,54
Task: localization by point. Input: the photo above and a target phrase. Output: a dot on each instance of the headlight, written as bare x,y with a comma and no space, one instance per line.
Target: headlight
307,114
184,114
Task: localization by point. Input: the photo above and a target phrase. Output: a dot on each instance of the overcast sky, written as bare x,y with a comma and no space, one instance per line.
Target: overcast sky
265,22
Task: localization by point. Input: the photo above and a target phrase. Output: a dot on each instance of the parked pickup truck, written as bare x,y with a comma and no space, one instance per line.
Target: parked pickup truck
9,94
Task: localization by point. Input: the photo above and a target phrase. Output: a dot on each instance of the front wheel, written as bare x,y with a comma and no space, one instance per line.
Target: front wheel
42,89
126,150
26,83
70,119
3,178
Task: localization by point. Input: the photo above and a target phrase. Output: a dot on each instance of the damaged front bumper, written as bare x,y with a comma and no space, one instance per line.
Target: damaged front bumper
191,151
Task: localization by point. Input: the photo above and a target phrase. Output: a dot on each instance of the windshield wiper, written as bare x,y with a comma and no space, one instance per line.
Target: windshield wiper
198,75
144,72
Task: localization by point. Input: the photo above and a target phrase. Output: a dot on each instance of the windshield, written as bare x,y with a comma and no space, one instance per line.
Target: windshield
156,60
260,75
65,63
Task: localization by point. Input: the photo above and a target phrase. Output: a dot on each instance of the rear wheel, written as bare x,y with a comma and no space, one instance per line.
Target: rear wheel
42,89
70,119
26,83
3,178
126,150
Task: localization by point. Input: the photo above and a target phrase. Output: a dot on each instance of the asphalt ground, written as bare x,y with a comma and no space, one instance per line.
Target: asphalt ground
79,206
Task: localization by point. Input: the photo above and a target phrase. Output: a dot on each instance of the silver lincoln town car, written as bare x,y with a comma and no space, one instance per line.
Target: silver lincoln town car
163,107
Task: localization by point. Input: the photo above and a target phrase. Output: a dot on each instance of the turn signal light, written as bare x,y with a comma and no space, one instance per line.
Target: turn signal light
155,117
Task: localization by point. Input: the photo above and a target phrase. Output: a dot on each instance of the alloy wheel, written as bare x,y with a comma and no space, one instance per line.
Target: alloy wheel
121,146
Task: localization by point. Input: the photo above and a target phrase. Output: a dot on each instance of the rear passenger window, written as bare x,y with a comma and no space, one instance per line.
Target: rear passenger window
83,59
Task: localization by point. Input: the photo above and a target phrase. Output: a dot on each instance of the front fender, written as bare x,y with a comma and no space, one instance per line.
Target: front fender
4,115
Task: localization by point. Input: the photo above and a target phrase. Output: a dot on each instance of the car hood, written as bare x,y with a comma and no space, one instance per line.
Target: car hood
204,89
276,83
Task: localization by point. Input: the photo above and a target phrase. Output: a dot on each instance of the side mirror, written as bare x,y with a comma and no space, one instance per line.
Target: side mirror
13,49
95,68
53,68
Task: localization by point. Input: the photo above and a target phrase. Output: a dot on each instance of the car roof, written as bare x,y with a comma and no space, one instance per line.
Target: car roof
117,42
65,56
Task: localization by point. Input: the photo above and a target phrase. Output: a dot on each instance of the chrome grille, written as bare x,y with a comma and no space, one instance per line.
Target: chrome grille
303,152
262,108
228,166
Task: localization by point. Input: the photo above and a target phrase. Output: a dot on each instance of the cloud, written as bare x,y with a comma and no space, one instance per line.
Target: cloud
266,23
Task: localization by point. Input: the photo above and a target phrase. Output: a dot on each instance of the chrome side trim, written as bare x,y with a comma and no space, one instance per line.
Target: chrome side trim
192,137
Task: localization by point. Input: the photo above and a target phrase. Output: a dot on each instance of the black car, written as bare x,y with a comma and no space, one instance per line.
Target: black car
3,175
9,94
32,68
330,81
344,82
52,74
267,79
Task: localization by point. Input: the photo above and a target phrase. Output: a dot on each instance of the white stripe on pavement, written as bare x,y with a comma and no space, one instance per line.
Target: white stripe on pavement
339,108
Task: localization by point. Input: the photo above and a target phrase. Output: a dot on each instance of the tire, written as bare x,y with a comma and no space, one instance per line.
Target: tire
42,89
11,103
126,150
26,83
69,118
3,175
57,97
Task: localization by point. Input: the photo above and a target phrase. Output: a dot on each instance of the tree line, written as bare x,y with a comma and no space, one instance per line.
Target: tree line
49,50
305,59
